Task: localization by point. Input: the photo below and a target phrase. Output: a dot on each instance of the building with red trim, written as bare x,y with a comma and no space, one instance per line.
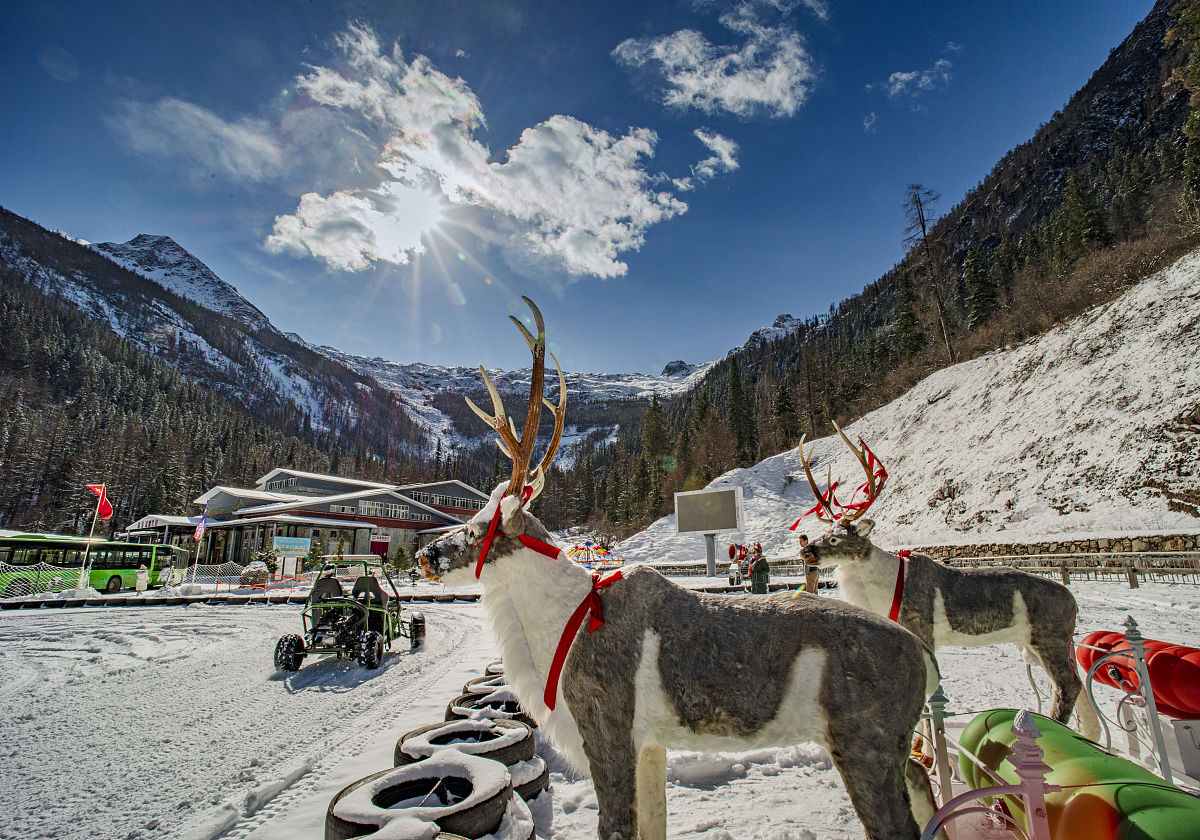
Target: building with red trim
289,509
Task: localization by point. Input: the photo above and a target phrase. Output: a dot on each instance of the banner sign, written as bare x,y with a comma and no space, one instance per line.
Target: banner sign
291,546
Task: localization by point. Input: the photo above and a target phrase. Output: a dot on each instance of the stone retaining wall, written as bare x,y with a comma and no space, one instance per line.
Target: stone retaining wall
1160,542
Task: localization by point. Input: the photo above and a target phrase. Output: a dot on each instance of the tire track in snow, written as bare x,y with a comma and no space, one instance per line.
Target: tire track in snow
242,815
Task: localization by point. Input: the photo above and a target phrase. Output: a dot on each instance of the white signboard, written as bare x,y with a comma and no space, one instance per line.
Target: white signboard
709,511
291,546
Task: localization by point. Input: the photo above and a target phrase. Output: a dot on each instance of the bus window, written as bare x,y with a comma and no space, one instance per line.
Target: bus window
51,556
5,554
24,557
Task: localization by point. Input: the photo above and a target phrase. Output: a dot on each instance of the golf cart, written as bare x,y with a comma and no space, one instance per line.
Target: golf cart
359,624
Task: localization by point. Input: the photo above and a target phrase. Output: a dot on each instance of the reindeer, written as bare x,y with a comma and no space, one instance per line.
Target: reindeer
946,606
667,667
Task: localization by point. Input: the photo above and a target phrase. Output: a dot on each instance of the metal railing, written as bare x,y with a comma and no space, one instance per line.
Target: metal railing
1126,566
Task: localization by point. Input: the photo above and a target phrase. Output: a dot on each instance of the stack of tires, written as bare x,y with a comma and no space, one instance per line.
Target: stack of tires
469,776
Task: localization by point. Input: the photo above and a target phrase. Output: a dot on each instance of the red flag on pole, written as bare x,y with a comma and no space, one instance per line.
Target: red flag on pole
104,509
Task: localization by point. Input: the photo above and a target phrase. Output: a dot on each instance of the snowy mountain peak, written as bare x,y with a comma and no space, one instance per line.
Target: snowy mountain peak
170,265
783,325
679,368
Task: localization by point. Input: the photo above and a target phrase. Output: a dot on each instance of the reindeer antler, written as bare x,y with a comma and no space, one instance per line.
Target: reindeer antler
520,449
823,504
876,478
868,460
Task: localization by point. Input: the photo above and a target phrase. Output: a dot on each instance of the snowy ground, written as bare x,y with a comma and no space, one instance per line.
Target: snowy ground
171,722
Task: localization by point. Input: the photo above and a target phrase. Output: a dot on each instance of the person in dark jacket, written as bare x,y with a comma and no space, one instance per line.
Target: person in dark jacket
760,571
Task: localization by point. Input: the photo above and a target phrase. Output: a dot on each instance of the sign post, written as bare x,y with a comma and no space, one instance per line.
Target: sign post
709,512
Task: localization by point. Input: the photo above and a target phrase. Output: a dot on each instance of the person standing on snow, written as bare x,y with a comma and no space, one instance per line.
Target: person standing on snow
812,570
760,571
141,579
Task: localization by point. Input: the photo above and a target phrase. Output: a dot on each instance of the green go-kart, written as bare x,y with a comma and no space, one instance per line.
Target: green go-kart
359,625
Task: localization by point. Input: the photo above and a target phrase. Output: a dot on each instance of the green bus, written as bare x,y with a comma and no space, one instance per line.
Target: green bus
47,563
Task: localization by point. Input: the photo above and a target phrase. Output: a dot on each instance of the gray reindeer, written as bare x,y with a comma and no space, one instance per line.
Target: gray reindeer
659,666
947,606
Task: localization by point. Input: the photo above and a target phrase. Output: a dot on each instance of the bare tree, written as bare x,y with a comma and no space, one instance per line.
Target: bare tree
918,204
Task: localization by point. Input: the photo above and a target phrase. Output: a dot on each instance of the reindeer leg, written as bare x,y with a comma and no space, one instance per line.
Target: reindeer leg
873,764
1055,657
652,793
611,752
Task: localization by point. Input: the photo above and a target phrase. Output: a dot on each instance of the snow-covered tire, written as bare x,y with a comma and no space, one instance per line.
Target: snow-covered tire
289,653
506,741
494,667
463,794
484,685
501,704
416,631
370,649
530,778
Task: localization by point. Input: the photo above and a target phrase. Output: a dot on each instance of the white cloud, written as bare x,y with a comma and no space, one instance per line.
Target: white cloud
722,159
770,72
350,230
869,123
910,85
568,195
380,148
244,149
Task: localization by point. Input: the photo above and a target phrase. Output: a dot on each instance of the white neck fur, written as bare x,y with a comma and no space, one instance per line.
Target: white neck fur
529,598
869,583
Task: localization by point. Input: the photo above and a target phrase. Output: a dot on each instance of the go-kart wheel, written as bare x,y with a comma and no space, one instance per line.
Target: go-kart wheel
416,631
289,653
370,649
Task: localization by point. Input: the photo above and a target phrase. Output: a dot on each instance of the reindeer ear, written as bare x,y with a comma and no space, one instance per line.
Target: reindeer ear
510,514
863,527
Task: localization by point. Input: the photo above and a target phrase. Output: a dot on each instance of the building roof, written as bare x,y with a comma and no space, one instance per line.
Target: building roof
155,521
243,493
461,484
292,519
340,479
301,501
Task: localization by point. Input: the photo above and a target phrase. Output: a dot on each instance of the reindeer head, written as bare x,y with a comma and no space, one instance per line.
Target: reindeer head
494,532
847,539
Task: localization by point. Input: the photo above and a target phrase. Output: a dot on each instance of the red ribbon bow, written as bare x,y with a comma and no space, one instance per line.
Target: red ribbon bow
494,531
898,595
590,606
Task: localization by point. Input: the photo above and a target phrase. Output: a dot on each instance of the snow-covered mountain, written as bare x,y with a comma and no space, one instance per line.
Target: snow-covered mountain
1092,427
420,384
163,260
157,296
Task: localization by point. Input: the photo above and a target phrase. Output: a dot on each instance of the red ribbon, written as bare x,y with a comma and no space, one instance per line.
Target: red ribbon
589,605
829,499
494,531
898,595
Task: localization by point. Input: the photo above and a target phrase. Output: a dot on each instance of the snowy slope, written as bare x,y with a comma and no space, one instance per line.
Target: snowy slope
1093,427
161,259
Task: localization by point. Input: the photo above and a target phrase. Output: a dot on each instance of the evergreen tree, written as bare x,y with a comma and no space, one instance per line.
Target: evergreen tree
910,338
1186,31
918,208
1081,222
783,412
656,438
981,292
741,417
640,492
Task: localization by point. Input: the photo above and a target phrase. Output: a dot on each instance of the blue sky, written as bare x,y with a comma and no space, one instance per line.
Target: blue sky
662,178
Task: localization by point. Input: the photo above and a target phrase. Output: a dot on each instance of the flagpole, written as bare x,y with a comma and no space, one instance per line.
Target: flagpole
87,547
